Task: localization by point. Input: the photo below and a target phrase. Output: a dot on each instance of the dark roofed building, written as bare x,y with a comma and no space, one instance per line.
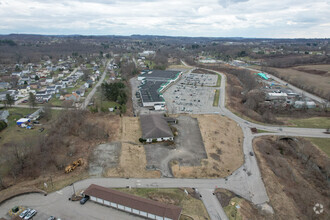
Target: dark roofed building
133,204
155,126
154,82
150,95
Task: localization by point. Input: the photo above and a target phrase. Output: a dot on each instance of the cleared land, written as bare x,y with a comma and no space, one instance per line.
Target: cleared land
132,160
223,144
289,168
191,206
313,78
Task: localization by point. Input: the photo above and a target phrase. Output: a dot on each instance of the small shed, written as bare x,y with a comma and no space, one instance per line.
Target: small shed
22,121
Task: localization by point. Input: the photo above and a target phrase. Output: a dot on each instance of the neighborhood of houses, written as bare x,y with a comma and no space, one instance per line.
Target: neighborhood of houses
47,81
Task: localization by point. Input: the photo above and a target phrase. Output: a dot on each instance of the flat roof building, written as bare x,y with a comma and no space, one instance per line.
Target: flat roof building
154,82
133,204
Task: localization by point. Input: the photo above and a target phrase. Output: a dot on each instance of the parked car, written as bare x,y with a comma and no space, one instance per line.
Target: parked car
30,214
51,218
84,200
36,122
24,213
41,129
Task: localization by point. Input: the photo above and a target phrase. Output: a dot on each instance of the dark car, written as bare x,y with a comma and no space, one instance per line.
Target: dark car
84,200
251,153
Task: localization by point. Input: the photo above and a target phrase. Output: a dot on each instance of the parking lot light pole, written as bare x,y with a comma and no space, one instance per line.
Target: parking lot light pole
74,191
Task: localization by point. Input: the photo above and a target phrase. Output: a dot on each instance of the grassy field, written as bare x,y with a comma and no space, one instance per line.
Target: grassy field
218,81
13,132
231,210
216,97
300,76
315,122
190,206
149,63
179,67
322,143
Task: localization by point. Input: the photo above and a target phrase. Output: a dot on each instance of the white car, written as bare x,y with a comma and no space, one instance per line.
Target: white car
30,214
24,213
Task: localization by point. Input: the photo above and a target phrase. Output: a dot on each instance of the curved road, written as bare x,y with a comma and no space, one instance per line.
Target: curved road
246,181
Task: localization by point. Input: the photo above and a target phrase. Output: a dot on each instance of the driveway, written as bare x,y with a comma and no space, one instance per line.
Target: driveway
188,148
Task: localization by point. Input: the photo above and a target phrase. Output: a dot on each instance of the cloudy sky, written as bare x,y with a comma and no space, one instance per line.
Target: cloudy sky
214,18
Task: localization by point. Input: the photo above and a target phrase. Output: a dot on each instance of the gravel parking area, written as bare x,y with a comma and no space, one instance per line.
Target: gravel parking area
188,149
104,156
193,93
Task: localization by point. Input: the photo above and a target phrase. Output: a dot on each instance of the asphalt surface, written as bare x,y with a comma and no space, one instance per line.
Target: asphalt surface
91,94
246,181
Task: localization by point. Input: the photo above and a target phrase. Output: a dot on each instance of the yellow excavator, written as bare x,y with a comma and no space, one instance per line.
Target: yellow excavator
74,165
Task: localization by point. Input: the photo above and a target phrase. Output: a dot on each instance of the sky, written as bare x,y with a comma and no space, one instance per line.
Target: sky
194,18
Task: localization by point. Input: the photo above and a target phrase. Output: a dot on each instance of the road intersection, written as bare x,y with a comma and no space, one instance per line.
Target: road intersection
245,182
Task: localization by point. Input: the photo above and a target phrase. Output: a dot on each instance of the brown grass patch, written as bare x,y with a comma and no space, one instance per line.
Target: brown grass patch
132,161
295,177
223,144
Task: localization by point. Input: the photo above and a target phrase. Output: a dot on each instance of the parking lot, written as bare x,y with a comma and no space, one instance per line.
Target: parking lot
104,156
58,205
188,148
193,93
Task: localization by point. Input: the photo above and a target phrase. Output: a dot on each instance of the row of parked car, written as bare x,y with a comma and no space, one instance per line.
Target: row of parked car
28,214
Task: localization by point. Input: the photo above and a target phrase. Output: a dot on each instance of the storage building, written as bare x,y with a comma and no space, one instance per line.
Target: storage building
132,204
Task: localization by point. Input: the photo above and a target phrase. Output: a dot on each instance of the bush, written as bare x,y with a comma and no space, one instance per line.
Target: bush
142,140
3,125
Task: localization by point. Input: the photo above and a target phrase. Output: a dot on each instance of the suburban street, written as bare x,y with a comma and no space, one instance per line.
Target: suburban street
92,93
245,182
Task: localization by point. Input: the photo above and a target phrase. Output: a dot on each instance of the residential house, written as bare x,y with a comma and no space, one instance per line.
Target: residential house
50,80
72,97
18,74
12,93
5,85
43,97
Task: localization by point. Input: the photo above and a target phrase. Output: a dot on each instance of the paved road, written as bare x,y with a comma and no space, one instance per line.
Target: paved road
246,181
298,90
91,94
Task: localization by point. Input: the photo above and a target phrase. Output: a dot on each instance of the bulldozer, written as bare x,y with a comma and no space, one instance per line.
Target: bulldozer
74,165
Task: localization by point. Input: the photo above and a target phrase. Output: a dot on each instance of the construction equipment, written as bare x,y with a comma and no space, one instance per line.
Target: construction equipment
74,165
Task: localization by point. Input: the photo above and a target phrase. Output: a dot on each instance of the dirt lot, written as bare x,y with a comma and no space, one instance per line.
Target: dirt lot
132,160
295,175
223,145
313,78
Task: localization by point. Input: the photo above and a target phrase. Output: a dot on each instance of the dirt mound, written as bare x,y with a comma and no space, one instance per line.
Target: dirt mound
295,174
